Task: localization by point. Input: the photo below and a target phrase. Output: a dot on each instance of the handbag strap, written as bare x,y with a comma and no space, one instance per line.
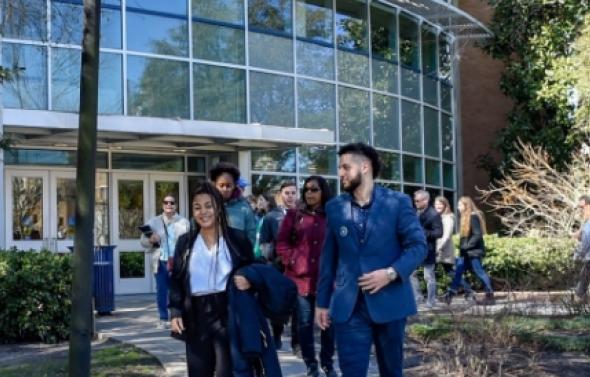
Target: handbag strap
166,232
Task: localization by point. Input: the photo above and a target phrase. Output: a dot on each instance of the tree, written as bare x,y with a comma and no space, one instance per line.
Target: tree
530,38
578,66
535,198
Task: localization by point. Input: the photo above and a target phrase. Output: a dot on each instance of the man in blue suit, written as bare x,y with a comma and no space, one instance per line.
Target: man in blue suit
374,242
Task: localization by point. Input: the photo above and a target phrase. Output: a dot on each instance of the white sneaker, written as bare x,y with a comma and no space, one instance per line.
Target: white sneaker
163,325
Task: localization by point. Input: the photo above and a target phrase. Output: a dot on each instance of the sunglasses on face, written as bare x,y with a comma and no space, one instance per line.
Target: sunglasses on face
169,202
312,189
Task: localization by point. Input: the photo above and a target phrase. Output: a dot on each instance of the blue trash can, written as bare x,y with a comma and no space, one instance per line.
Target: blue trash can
103,287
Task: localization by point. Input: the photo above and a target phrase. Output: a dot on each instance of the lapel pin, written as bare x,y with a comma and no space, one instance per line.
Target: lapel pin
343,231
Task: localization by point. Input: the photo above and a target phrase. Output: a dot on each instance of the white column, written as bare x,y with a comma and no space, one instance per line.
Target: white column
3,214
244,158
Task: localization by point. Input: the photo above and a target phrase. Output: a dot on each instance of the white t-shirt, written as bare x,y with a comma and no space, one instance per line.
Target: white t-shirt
209,269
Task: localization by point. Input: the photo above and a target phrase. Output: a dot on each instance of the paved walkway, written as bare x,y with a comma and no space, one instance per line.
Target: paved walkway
135,318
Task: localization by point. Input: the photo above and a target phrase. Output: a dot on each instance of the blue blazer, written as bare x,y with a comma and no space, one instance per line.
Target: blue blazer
394,238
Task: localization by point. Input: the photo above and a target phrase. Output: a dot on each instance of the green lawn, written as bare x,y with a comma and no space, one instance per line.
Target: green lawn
110,360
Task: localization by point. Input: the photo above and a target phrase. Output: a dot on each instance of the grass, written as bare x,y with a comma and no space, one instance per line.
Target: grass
112,360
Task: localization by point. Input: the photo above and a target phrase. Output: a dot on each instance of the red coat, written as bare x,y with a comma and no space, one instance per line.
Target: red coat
299,244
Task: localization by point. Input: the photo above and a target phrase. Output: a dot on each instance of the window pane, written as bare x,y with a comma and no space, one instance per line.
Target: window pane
432,172
450,195
27,208
146,94
353,42
315,38
409,56
412,169
411,135
315,60
269,184
28,89
147,162
271,15
65,81
178,7
431,134
449,176
445,57
218,43
66,208
47,157
354,115
221,10
220,93
271,51
390,168
385,122
446,97
429,66
318,160
196,165
67,24
448,148
157,34
279,160
271,99
24,19
316,104
384,48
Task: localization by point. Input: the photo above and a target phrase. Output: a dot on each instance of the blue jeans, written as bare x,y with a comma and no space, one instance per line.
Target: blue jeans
354,339
305,314
162,283
475,265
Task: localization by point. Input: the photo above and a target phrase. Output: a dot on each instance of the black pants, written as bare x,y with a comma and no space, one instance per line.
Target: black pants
207,340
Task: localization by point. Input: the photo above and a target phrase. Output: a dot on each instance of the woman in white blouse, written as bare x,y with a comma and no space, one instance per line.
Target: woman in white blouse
205,261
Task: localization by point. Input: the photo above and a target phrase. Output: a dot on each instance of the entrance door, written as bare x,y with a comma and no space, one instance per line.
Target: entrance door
136,199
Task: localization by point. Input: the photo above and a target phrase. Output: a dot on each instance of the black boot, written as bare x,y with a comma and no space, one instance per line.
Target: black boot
329,372
447,298
313,371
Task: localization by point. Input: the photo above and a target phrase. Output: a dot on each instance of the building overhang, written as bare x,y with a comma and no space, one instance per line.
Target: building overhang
51,128
449,18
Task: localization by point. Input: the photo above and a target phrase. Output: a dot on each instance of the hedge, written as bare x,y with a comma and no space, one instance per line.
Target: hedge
530,263
35,289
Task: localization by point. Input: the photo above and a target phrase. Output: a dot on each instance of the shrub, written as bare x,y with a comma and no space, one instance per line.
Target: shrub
35,289
527,263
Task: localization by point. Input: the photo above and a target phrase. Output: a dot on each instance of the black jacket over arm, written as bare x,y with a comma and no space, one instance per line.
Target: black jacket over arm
473,245
433,229
241,254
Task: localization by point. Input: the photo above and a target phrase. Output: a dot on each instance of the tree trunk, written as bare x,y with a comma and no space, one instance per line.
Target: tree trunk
81,322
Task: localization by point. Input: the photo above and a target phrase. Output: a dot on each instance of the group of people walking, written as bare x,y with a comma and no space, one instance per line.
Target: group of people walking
344,264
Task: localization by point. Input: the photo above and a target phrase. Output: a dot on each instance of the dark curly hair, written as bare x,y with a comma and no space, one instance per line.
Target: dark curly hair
361,149
224,167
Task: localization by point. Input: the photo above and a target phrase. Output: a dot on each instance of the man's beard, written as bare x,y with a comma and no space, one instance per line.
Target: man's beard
354,183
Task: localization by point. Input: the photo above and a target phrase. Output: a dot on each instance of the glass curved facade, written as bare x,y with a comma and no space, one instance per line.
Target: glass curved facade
367,71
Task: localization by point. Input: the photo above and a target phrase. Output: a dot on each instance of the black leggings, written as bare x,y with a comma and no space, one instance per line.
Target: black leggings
207,340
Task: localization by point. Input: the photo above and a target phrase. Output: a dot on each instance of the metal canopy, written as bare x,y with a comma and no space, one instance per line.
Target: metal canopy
449,18
51,128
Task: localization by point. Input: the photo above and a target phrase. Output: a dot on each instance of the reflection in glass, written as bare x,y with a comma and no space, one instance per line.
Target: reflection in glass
178,7
445,56
432,172
448,149
101,209
409,56
218,43
48,157
429,66
132,264
65,81
279,160
196,165
130,208
412,169
231,11
385,122
320,160
146,94
448,176
384,48
354,115
446,97
163,188
24,19
271,51
157,34
147,162
315,38
316,104
431,132
67,24
66,208
390,168
271,99
271,15
219,93
268,184
411,135
353,42
27,208
28,88
315,60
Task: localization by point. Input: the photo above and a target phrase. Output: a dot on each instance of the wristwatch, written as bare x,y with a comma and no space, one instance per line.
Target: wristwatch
391,274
